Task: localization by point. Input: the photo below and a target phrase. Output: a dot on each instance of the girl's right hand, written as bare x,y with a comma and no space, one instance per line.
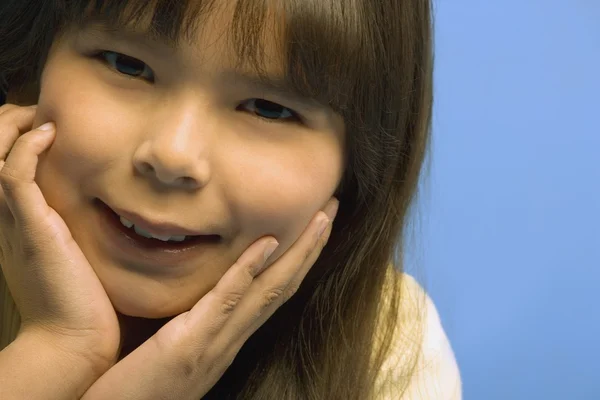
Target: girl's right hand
56,290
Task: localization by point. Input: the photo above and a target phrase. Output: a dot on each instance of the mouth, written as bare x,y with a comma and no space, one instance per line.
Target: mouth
132,240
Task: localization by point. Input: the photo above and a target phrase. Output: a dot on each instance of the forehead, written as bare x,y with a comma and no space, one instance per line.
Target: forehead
194,26
281,45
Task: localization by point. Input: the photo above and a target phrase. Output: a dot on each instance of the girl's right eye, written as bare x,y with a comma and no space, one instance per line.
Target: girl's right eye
125,65
134,69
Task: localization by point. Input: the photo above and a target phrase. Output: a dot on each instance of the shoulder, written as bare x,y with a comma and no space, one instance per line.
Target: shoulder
437,376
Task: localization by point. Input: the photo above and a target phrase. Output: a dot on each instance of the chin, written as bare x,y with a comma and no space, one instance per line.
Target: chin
144,306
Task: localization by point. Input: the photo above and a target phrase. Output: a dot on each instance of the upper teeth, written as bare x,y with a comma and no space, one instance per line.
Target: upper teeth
148,235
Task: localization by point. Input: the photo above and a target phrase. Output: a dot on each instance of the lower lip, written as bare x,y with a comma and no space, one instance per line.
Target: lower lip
154,252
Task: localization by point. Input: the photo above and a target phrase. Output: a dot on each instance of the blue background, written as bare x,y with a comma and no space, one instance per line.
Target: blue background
509,237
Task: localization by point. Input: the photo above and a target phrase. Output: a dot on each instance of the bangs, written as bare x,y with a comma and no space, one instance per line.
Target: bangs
315,40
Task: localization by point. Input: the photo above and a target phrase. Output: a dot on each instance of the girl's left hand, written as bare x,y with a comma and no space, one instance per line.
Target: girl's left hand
190,353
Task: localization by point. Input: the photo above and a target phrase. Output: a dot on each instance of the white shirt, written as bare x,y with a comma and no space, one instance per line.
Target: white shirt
437,376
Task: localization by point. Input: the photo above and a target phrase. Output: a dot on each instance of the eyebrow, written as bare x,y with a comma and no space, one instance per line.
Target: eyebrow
274,85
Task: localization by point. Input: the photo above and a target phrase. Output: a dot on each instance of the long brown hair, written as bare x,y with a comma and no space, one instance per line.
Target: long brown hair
371,61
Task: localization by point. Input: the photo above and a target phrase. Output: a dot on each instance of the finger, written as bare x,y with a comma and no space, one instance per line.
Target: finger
261,286
7,107
297,256
214,310
232,288
21,192
273,288
13,121
10,106
208,357
217,305
203,346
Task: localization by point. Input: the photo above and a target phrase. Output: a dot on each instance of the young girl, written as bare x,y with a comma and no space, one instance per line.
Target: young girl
219,201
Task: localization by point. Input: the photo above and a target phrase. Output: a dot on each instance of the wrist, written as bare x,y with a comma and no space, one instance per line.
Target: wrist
38,367
79,352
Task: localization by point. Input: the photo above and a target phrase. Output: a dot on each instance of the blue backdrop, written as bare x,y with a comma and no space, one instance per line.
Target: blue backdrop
510,236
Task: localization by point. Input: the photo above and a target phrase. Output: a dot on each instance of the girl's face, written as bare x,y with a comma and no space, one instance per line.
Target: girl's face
174,137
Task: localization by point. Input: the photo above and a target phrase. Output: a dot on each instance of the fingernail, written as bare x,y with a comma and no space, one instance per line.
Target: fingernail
332,209
323,225
48,126
33,106
269,249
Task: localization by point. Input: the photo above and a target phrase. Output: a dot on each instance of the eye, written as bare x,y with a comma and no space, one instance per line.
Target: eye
271,112
265,110
125,65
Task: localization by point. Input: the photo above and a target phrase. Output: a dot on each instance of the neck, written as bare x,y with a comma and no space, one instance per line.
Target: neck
136,330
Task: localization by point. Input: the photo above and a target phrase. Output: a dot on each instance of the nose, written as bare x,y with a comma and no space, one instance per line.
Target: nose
175,158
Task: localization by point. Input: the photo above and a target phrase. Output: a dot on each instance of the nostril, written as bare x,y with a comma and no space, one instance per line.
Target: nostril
147,167
186,180
166,176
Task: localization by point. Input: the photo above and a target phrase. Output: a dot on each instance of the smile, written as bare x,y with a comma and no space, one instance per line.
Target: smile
140,231
122,237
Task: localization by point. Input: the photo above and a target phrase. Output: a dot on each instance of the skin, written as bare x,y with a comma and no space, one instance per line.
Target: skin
215,166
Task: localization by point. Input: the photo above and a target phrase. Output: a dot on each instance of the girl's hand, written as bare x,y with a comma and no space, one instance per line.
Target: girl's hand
188,355
57,293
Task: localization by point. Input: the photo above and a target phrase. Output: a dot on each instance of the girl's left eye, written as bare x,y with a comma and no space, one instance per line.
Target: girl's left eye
265,110
271,112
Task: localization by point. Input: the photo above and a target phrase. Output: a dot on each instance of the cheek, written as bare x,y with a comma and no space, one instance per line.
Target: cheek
84,120
79,150
278,191
88,126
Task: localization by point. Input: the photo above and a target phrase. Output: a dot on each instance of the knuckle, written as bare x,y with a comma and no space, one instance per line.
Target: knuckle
7,106
254,266
8,109
205,364
188,367
189,361
290,291
229,302
15,111
8,178
244,270
270,297
29,142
